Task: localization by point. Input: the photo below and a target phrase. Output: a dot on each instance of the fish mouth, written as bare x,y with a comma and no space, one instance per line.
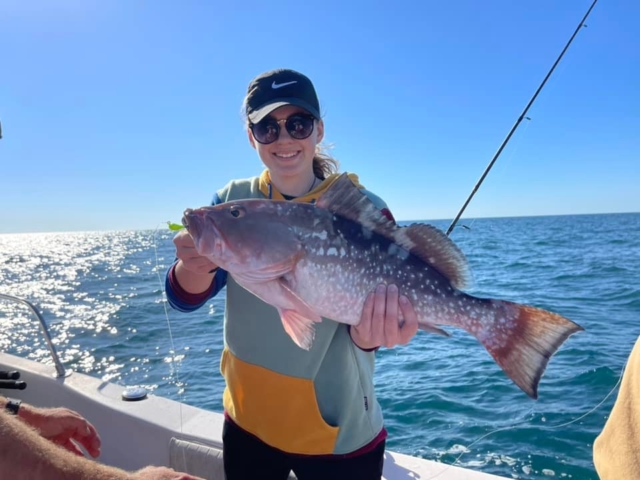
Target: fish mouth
206,236
191,221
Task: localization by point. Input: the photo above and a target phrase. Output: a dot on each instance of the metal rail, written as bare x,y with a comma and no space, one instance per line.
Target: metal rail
61,371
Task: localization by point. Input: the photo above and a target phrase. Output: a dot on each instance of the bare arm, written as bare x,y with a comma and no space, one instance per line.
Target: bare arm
61,426
25,455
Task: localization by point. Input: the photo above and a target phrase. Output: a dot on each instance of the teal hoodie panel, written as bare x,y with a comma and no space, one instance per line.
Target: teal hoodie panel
315,402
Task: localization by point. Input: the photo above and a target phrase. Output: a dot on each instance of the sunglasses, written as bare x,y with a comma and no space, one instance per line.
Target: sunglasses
298,126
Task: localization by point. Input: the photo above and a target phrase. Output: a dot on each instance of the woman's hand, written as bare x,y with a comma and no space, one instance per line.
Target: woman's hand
388,319
188,255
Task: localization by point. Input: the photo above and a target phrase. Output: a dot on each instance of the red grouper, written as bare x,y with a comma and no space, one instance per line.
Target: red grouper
314,261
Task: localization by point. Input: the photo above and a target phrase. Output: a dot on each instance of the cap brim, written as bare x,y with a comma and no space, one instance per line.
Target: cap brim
266,109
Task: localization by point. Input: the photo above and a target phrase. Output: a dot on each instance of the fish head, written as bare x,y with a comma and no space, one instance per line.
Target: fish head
243,236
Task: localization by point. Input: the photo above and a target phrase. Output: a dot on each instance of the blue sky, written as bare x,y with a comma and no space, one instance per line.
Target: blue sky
120,114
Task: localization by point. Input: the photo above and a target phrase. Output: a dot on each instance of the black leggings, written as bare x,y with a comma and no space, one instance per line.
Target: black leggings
247,458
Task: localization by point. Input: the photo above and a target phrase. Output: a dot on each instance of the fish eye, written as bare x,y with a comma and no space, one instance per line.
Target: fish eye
236,211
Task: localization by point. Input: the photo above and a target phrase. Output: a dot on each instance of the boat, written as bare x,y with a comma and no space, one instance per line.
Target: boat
139,429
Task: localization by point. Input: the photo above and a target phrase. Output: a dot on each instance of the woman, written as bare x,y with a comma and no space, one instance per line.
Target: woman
313,412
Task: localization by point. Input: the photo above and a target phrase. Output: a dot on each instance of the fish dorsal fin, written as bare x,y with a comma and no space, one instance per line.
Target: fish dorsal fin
343,198
426,242
434,247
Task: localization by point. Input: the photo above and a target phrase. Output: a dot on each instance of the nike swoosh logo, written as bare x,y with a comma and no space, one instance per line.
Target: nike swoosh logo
275,85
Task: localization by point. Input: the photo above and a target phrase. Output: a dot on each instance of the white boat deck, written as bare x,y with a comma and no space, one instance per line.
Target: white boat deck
160,431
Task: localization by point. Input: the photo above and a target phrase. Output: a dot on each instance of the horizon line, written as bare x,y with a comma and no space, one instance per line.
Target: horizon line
158,229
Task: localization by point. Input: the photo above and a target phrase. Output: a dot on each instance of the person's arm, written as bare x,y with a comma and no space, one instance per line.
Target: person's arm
25,455
616,453
194,282
60,426
193,279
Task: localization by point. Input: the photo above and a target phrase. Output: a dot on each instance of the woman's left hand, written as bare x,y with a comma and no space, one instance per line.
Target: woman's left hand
388,319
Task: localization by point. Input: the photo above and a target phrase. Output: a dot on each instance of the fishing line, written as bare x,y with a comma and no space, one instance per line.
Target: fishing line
525,422
594,408
166,313
181,387
467,447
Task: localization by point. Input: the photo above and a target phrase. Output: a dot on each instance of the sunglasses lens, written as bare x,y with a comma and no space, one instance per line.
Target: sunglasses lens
299,126
266,131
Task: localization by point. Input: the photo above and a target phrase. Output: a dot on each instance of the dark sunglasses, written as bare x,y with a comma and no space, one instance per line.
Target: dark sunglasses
298,125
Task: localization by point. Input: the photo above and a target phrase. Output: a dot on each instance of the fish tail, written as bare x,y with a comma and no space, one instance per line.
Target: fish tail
524,347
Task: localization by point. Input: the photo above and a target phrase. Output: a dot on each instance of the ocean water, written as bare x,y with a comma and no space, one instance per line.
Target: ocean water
443,398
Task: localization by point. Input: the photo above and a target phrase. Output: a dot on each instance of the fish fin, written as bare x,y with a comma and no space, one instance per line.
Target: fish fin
345,199
299,327
298,321
432,329
530,343
434,247
299,304
424,241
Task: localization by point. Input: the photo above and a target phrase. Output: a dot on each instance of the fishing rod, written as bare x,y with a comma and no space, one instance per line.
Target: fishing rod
519,120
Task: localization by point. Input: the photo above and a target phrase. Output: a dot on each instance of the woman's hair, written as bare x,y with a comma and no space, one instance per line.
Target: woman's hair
323,163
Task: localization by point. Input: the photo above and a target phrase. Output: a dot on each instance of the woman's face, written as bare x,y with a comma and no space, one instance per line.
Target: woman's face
288,157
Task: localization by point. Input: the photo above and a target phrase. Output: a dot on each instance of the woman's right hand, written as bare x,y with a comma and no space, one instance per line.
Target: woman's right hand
191,260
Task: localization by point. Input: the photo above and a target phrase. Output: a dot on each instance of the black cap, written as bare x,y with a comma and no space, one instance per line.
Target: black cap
277,88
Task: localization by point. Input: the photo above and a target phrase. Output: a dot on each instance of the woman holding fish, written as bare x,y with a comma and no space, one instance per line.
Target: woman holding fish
306,405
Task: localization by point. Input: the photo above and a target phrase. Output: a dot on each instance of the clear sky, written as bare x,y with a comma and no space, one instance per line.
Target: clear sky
120,114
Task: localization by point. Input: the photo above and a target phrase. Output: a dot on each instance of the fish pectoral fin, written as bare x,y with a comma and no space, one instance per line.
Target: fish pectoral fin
431,329
296,315
298,303
299,327
298,319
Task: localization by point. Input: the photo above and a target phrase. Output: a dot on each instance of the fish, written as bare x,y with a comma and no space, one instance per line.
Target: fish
315,261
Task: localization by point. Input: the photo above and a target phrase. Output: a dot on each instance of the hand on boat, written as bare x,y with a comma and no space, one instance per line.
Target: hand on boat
163,473
388,319
187,253
63,427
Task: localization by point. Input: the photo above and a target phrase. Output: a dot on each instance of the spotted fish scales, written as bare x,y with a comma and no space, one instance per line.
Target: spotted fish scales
320,261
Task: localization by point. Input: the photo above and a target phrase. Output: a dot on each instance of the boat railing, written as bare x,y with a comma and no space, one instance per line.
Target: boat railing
60,370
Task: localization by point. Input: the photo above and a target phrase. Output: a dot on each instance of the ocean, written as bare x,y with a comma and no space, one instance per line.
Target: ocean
443,398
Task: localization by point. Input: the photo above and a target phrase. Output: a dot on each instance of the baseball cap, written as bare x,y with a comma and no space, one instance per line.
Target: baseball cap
276,88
